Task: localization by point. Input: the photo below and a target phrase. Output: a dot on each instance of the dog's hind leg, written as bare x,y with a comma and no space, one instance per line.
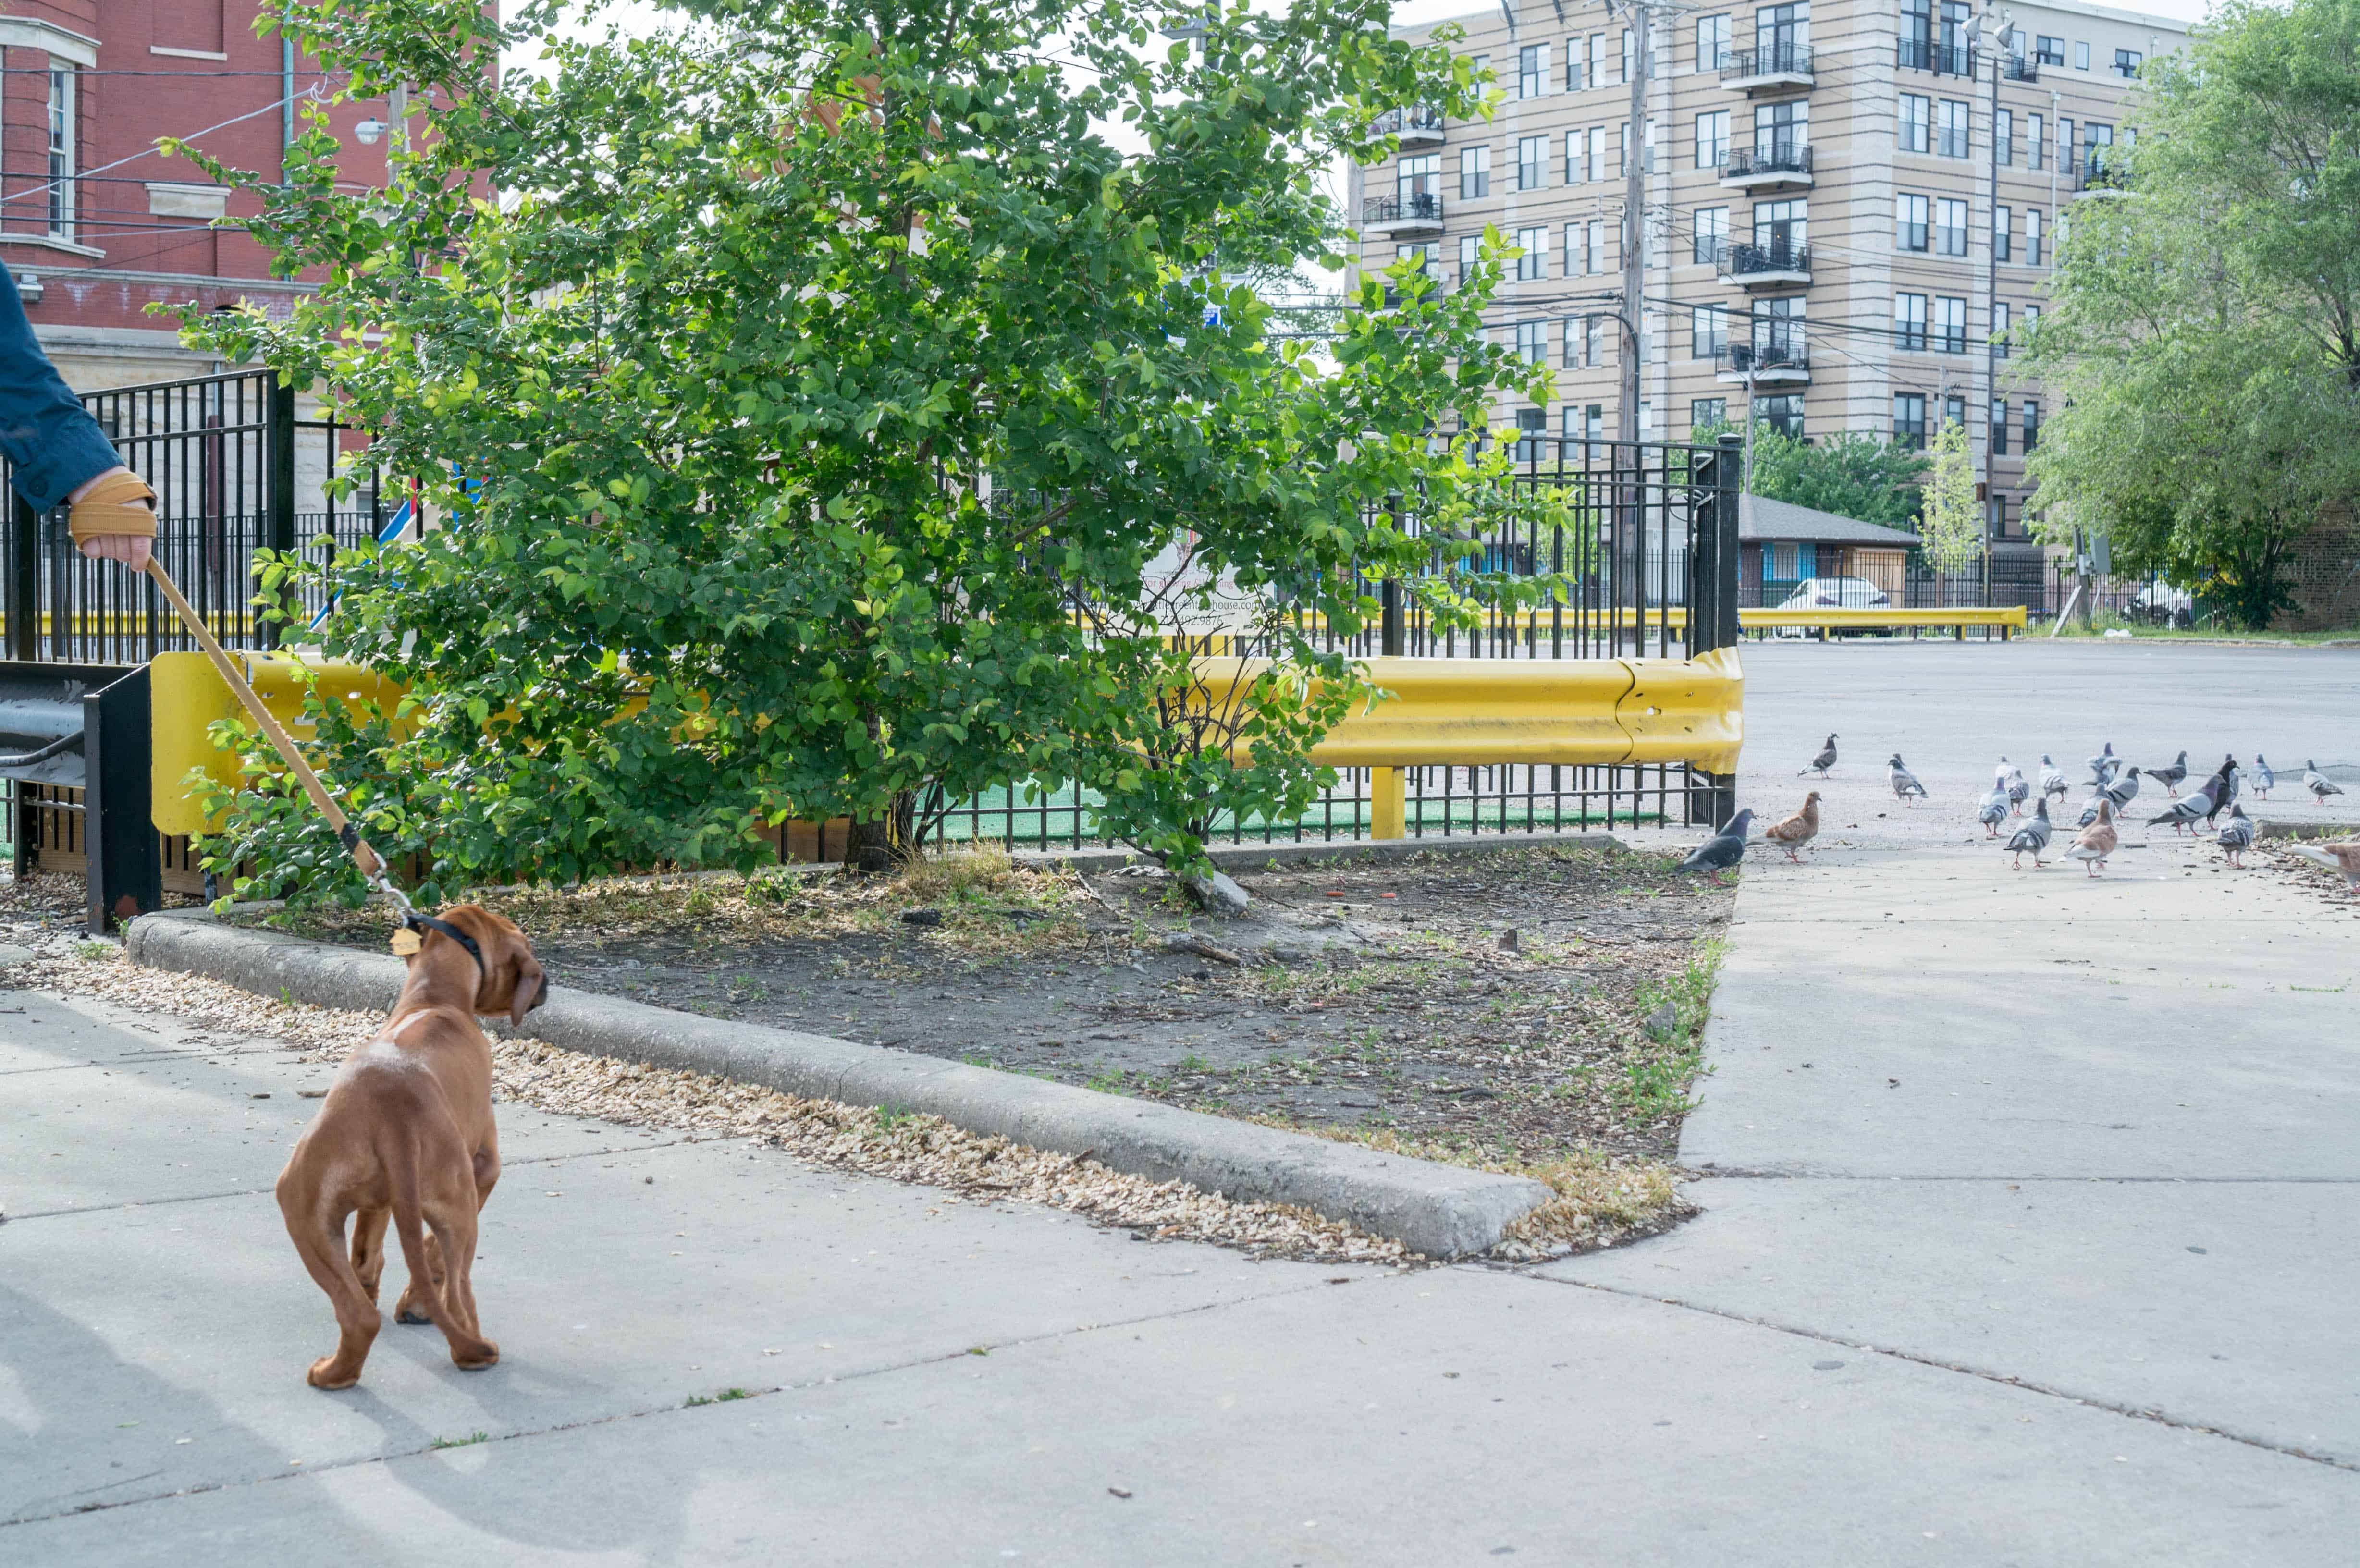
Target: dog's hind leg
369,1247
424,1292
454,1226
319,1237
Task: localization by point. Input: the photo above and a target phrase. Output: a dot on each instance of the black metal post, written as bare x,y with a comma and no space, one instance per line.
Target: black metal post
125,856
278,488
23,580
1389,633
1728,518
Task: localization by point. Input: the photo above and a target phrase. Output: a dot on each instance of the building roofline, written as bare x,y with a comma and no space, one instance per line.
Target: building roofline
2076,7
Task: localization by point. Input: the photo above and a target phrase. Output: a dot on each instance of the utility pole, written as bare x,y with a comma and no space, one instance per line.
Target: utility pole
2006,26
1635,208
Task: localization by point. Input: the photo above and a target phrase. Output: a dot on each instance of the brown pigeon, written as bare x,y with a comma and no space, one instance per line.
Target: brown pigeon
2097,840
1797,830
2336,854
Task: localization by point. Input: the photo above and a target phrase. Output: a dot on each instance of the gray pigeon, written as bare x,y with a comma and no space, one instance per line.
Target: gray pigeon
2033,835
1993,810
1723,850
1906,786
2052,780
2236,835
1825,760
2320,785
2184,814
2265,780
2090,808
2227,794
2170,778
2104,767
2019,792
2124,789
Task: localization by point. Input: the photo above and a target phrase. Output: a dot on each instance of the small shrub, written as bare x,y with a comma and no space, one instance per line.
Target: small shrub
978,868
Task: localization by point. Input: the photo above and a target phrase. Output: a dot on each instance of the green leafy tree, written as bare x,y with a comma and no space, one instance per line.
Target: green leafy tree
808,399
1849,474
1950,525
2206,330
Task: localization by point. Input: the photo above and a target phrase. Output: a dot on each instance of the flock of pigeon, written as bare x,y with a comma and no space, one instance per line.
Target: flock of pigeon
2113,785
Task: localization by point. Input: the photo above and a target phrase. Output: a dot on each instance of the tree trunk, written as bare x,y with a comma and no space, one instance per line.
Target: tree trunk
880,843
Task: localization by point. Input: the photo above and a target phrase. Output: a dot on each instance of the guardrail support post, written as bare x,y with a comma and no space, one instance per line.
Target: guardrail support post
278,500
1388,804
124,857
23,580
1730,464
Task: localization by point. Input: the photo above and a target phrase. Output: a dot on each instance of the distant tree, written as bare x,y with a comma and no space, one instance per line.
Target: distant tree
2205,335
1849,474
1951,524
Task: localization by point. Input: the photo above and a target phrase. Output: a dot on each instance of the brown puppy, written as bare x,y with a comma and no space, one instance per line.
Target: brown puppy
406,1135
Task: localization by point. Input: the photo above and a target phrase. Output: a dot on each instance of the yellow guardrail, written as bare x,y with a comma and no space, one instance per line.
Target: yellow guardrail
2006,617
1442,712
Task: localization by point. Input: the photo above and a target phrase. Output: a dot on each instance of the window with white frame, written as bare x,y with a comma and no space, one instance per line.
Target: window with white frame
2003,234
1952,128
1629,60
1999,330
1708,331
2081,54
1909,222
1917,123
1573,83
1712,139
2033,237
1711,230
1910,321
1712,42
1532,71
1417,177
1949,328
1531,154
1779,129
1532,342
1597,247
1596,152
1597,59
1779,226
1534,263
1576,156
61,152
2036,142
1471,252
2003,138
1949,226
1474,172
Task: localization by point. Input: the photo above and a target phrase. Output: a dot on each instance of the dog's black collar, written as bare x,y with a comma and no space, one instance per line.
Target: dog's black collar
415,920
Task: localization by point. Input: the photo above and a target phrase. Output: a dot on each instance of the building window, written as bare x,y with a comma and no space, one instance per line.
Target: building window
1951,142
1955,412
1779,129
1950,327
2032,236
1917,51
1909,418
1708,331
1577,330
2003,138
1593,422
1574,158
1629,60
1470,251
1530,154
1534,263
2036,143
1949,226
61,155
1713,44
1597,245
1910,321
2031,424
1707,414
1532,71
2002,240
1711,236
1712,138
2126,62
1474,172
2081,55
1418,178
1596,152
1909,223
2050,51
1530,423
2095,139
1573,83
2031,321
1917,121
1783,413
1532,342
1999,427
1999,330
1598,59
2064,144
1778,326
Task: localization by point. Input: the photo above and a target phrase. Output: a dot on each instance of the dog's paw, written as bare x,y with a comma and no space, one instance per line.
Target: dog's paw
477,1360
323,1374
411,1312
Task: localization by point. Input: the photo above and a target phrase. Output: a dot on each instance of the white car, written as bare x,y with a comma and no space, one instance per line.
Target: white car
1836,593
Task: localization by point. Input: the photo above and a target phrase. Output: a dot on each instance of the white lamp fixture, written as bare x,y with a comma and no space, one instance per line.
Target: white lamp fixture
370,131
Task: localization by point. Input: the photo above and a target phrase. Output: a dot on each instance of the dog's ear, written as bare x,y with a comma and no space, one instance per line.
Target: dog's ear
531,988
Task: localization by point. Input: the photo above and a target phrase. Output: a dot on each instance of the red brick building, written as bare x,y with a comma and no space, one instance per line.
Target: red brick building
96,222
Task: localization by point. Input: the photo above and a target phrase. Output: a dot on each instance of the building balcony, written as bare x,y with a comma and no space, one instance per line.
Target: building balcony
1417,127
2097,180
1773,65
1942,59
1767,363
1766,266
1781,165
2021,70
1402,217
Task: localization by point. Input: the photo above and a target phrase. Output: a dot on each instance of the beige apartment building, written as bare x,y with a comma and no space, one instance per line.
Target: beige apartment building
1845,200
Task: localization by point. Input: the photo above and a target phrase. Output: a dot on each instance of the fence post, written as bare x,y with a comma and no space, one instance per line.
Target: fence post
1729,522
23,580
279,487
125,859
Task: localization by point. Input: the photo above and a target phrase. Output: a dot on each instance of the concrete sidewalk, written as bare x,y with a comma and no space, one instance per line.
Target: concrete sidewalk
1926,1332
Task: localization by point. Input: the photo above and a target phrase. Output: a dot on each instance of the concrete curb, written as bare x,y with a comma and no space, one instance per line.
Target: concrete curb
1341,851
1441,1211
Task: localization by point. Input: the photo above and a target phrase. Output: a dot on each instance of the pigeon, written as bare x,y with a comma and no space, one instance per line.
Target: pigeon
2236,835
2019,792
2228,776
2340,854
2097,840
1797,830
2202,802
2033,835
2320,785
2090,809
1825,760
2104,767
2170,778
2052,780
2264,780
1993,810
1723,850
2124,789
1905,783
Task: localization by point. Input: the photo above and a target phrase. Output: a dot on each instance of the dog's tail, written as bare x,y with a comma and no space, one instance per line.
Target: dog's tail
400,1158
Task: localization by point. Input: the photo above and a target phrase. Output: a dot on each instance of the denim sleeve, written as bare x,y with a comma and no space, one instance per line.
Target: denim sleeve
53,443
